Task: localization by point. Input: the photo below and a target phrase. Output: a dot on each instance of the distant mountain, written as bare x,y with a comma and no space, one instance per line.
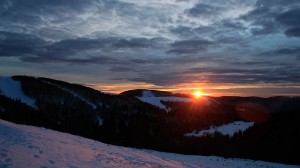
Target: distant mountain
245,127
272,104
156,93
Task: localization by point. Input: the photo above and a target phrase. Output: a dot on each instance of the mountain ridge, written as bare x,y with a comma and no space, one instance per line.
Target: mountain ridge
127,121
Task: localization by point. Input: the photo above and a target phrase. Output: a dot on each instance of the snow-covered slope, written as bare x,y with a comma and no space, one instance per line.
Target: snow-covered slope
149,97
11,88
227,129
27,146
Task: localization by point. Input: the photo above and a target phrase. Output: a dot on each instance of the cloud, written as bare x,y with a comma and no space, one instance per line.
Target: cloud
81,18
31,48
80,61
293,32
121,69
183,31
282,52
111,43
34,12
18,44
203,10
223,76
255,76
289,18
136,43
262,20
217,11
276,3
189,46
157,42
223,71
161,79
53,34
270,17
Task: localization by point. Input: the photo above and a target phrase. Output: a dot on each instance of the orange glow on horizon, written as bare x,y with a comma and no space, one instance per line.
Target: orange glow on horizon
198,94
203,89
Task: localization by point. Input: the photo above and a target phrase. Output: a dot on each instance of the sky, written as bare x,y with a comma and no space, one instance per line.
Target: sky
232,47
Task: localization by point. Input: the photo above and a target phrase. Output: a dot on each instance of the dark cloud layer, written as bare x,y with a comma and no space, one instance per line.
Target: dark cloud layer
289,18
31,48
283,52
162,43
18,44
286,75
293,32
189,46
201,9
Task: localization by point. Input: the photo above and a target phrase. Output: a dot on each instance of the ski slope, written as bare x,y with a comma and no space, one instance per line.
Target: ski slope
149,97
94,106
12,89
28,146
228,129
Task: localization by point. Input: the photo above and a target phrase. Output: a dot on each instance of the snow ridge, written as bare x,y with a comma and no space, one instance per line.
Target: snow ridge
28,146
12,89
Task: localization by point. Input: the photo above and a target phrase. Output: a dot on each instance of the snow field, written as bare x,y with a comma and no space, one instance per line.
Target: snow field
227,129
28,146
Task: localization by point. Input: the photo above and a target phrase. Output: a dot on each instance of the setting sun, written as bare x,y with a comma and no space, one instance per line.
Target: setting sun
198,94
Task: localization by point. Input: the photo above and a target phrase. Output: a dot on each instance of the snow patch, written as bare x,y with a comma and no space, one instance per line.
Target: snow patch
227,129
100,120
2,109
148,93
149,97
12,89
28,146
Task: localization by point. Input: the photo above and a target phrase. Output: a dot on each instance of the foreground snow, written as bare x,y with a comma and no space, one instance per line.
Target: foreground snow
12,89
227,129
27,146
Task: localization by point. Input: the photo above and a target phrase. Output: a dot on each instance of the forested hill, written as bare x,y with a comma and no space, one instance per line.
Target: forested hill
270,127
